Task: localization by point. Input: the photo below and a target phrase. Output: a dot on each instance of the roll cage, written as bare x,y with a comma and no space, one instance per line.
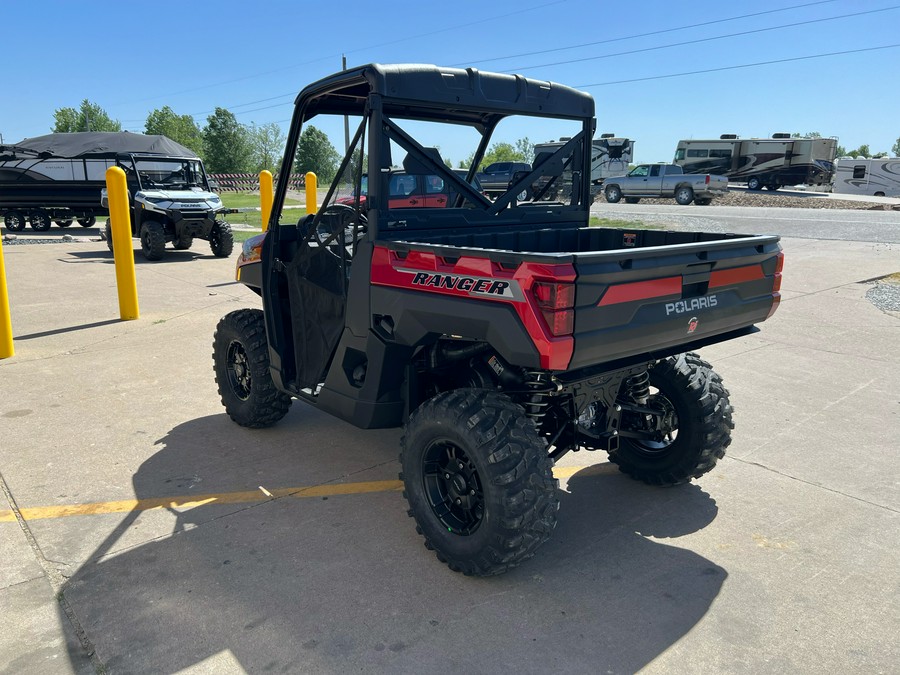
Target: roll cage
381,95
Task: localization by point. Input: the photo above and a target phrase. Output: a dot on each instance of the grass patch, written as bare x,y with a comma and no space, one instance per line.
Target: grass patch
243,200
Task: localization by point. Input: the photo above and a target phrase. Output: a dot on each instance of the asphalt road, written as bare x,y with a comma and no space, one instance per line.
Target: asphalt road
845,225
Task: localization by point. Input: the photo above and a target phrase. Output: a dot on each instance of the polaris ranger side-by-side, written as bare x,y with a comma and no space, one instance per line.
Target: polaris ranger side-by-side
500,334
58,177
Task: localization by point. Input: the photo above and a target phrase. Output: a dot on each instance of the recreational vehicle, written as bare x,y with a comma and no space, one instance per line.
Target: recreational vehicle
876,177
611,155
761,162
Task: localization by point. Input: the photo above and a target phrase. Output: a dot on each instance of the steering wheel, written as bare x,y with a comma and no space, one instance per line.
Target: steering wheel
343,217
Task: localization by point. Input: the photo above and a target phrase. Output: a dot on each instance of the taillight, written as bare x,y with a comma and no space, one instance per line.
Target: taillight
557,304
776,286
707,179
779,265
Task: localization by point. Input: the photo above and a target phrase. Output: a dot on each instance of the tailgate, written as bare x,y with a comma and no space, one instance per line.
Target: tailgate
651,300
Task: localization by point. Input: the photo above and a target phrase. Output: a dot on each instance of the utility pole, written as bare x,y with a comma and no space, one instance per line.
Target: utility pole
346,119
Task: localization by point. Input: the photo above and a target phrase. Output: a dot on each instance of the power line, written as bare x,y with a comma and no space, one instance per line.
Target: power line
745,65
519,11
706,39
640,35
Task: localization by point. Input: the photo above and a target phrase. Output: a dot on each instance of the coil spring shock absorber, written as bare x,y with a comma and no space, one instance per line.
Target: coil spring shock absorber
537,401
638,387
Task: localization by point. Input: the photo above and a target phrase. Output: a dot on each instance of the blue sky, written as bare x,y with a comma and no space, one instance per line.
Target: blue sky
132,57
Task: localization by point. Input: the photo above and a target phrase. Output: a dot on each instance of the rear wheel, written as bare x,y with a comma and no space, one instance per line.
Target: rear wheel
109,241
241,364
684,195
153,240
478,481
40,221
613,194
754,183
686,430
63,222
221,239
87,222
14,221
184,243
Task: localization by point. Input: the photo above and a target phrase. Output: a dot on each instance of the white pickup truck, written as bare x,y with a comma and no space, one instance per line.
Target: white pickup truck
664,180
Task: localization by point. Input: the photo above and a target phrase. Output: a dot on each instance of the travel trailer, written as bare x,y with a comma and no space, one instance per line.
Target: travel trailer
761,162
860,176
610,155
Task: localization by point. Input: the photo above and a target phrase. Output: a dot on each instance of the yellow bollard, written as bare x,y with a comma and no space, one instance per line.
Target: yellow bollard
311,193
266,197
6,339
123,249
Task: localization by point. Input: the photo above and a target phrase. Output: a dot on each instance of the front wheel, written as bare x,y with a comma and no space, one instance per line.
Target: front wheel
153,240
613,194
241,364
685,429
221,239
684,195
478,480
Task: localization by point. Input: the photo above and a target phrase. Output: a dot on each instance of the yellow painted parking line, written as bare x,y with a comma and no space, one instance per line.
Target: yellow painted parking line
194,501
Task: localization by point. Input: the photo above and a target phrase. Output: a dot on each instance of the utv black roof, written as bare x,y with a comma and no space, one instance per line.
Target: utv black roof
96,144
428,92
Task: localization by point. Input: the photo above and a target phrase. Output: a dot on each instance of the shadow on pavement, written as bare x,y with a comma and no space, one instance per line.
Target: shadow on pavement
344,583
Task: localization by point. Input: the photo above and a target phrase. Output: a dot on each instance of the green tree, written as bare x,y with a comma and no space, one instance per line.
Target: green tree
861,151
180,128
226,143
895,149
525,148
267,143
88,117
316,153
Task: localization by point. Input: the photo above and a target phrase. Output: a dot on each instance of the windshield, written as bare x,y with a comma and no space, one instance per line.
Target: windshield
170,174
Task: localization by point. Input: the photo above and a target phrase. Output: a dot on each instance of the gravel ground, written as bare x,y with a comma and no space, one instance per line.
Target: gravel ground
17,240
885,294
768,200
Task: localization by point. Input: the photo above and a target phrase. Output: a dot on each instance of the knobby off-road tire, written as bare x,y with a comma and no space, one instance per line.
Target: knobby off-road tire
108,231
153,240
184,243
241,364
221,239
693,392
478,481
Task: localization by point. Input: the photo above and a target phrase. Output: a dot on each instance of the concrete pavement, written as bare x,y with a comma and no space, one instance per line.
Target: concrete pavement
133,541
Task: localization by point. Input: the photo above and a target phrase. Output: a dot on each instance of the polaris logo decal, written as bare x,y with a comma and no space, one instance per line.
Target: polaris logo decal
691,305
484,286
